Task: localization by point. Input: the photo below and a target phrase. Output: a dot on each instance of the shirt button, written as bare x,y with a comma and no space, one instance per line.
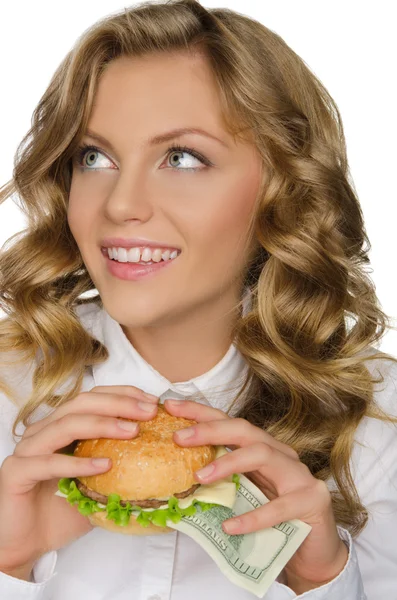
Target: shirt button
154,597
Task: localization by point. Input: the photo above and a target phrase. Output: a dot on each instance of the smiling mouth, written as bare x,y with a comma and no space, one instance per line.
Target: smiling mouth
141,262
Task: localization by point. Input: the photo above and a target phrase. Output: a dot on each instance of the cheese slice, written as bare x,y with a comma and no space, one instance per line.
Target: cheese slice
223,491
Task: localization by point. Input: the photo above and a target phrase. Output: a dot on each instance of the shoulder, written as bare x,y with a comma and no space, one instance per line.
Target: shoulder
19,376
385,389
374,457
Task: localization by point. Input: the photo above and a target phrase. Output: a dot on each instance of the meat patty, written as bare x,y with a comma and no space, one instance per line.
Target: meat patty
150,503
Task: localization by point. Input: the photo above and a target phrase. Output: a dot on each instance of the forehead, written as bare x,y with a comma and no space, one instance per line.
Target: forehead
161,90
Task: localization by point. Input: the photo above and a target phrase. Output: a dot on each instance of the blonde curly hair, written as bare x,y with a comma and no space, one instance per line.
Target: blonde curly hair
314,309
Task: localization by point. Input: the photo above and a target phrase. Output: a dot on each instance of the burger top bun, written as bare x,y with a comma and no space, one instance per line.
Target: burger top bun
150,465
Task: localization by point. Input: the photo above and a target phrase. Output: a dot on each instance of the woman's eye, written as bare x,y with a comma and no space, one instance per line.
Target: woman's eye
176,159
87,159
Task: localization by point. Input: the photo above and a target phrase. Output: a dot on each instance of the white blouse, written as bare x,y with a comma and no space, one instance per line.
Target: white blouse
103,565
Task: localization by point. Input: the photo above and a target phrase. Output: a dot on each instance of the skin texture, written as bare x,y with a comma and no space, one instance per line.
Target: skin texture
180,319
276,470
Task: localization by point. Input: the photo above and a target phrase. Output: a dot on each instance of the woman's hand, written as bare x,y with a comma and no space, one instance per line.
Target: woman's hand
276,470
33,520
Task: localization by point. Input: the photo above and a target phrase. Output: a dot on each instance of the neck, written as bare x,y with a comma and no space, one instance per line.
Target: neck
192,346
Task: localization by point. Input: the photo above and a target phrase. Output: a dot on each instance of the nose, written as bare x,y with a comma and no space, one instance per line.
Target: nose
129,198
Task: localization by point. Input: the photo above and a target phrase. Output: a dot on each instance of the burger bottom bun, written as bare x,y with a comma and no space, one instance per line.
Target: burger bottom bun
99,519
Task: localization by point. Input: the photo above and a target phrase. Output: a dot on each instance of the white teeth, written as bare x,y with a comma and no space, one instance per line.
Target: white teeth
146,255
134,254
122,255
156,255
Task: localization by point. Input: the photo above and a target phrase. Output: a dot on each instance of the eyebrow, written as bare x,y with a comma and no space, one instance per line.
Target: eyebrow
160,139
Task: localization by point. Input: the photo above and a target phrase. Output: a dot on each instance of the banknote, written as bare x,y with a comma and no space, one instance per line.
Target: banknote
254,560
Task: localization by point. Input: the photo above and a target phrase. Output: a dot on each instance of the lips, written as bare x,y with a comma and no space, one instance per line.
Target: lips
135,243
135,271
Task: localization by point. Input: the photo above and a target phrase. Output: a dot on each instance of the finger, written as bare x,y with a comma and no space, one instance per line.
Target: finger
310,505
280,470
19,475
232,431
64,431
194,410
101,403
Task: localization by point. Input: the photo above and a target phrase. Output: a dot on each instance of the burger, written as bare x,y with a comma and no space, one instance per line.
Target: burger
150,482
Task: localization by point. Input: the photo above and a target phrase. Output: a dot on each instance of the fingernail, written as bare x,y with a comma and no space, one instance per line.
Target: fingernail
146,406
202,473
127,425
183,434
100,463
231,526
174,402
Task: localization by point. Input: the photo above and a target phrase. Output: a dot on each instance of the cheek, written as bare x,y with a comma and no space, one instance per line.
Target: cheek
217,235
83,205
238,204
75,207
234,204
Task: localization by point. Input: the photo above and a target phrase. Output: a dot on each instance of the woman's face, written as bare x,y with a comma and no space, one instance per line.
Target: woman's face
133,189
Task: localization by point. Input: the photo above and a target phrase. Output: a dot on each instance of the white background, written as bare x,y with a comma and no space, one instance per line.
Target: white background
350,46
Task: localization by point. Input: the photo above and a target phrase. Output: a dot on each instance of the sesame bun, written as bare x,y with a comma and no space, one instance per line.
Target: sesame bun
150,465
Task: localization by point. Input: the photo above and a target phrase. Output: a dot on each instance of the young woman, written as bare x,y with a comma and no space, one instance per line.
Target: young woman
198,142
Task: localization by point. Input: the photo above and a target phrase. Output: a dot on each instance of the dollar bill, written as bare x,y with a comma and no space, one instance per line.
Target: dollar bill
254,560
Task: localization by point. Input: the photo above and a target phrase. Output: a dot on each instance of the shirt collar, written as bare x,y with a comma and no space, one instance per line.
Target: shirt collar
125,366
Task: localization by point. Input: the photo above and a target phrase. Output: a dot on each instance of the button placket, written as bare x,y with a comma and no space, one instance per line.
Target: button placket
159,551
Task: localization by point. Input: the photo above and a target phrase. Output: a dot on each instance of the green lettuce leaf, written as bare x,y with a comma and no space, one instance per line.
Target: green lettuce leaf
85,505
121,514
236,479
